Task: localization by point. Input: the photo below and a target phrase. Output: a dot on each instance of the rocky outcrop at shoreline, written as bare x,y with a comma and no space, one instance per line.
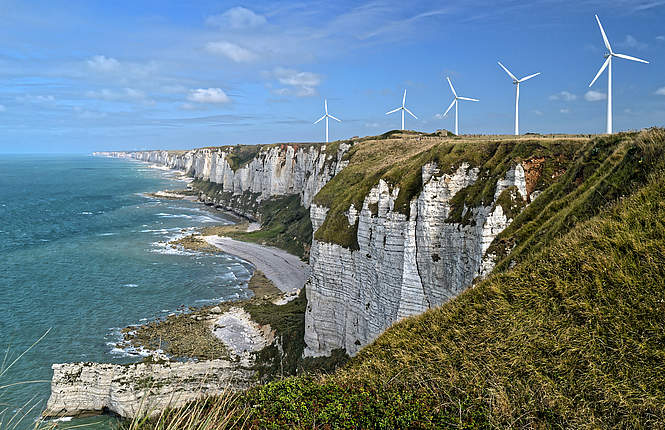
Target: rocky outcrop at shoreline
135,390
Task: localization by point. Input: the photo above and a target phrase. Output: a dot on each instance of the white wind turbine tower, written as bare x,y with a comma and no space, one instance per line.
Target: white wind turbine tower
403,109
326,116
454,102
517,83
608,65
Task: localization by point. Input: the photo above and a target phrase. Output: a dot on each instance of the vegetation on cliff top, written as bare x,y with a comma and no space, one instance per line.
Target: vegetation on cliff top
398,160
285,223
569,335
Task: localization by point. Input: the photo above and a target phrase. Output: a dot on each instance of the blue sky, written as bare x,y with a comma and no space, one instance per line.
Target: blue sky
79,76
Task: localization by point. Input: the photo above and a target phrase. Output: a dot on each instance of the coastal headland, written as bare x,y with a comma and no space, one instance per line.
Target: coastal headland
477,281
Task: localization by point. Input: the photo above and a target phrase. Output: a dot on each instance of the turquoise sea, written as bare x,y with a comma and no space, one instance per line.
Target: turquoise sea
82,253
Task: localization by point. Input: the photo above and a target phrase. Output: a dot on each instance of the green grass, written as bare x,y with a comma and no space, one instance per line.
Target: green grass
398,158
285,224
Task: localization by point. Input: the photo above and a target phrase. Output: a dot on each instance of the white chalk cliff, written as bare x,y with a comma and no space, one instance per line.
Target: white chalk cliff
275,170
405,265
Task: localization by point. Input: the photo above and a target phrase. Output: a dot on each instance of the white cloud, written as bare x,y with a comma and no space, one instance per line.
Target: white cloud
237,18
660,91
565,110
660,38
208,95
121,71
439,116
564,95
631,42
126,94
35,99
101,63
538,112
2,108
594,96
299,84
232,51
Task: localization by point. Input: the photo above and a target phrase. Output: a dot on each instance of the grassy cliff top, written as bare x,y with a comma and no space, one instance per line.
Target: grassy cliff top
397,158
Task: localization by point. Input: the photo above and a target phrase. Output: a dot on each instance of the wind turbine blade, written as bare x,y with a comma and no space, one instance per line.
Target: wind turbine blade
338,120
326,104
450,107
526,78
451,86
404,99
320,119
410,113
469,99
507,71
602,31
393,111
601,70
628,57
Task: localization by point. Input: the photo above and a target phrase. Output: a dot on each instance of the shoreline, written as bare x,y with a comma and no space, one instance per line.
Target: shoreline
228,338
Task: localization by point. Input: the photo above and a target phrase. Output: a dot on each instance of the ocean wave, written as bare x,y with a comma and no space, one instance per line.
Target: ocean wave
85,213
130,285
107,234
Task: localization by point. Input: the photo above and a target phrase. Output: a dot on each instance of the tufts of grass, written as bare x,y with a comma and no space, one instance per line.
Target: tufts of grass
213,413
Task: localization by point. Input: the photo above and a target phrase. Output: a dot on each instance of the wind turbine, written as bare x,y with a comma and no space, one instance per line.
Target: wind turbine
454,102
326,116
403,109
608,65
517,83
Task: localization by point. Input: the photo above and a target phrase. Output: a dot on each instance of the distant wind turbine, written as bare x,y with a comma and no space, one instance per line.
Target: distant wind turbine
517,83
403,109
326,116
454,102
608,65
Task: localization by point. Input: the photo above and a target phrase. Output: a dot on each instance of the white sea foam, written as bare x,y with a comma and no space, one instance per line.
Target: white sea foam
85,213
107,234
130,285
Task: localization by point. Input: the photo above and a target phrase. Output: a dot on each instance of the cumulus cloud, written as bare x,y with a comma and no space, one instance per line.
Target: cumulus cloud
594,96
296,83
237,18
208,95
631,42
231,51
660,91
564,95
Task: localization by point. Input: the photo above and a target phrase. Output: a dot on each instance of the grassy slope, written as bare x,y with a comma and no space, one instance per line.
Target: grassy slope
398,160
573,336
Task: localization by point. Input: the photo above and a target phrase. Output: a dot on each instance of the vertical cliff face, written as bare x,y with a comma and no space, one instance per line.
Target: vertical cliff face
404,264
244,176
